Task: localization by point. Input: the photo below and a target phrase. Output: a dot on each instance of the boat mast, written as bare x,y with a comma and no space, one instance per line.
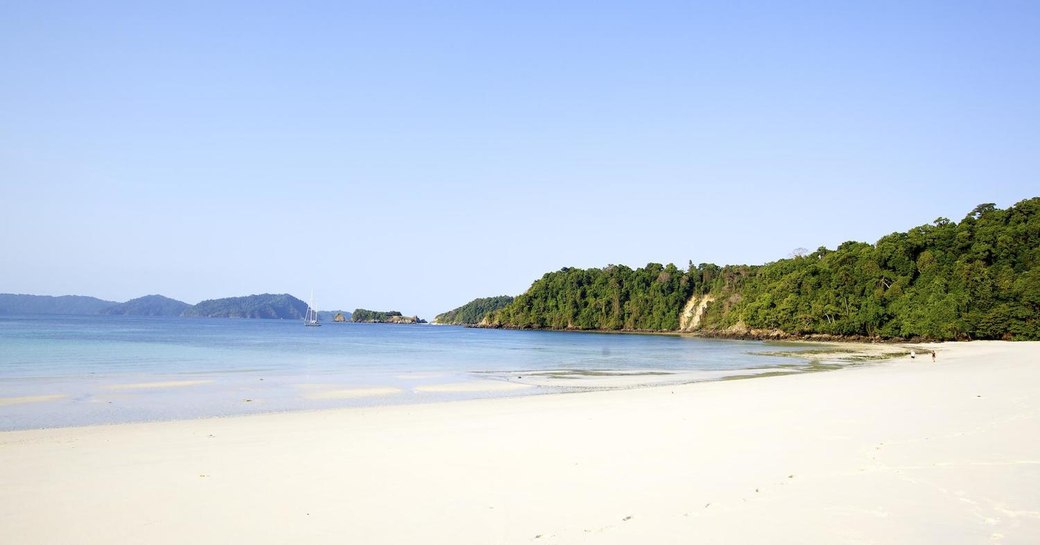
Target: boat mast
311,317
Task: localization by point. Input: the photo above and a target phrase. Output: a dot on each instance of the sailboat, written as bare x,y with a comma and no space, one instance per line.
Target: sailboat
310,318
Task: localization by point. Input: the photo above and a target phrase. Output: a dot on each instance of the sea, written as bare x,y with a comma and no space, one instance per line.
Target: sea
58,371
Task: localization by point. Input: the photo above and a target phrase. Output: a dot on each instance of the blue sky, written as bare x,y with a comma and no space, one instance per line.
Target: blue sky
413,155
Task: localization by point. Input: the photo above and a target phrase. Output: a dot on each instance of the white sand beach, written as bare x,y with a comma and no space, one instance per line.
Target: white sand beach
900,452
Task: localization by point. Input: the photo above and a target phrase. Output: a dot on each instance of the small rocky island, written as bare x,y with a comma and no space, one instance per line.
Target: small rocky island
383,317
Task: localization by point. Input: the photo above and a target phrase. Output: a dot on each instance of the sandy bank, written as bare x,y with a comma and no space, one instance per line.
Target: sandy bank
18,400
157,385
900,452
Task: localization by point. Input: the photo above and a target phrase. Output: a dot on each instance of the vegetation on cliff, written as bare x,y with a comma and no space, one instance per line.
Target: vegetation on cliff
612,298
974,279
474,311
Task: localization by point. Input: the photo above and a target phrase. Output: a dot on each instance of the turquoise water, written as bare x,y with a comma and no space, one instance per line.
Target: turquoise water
79,370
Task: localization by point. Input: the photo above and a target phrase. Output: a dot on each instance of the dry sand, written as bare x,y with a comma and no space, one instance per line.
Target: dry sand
894,453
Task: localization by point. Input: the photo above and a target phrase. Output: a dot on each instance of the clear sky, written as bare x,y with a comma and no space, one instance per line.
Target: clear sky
415,155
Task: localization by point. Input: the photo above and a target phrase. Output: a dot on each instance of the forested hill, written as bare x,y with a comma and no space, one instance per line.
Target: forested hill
474,311
11,303
283,306
612,298
974,279
149,305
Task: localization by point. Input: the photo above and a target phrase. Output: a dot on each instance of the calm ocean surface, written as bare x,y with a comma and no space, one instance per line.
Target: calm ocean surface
80,370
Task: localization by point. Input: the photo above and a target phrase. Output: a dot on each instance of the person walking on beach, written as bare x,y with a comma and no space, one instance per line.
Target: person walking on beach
913,354
933,356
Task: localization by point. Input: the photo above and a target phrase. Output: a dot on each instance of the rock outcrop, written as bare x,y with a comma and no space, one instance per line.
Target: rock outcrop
693,312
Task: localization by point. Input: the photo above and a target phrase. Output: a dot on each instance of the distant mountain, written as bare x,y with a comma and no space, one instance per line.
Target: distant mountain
330,315
473,312
282,306
11,303
149,305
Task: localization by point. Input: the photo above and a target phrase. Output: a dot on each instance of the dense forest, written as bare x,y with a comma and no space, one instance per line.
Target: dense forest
381,317
365,315
615,298
974,279
474,311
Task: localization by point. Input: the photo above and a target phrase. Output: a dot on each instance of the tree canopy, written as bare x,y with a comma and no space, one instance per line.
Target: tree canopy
615,297
974,279
365,315
474,311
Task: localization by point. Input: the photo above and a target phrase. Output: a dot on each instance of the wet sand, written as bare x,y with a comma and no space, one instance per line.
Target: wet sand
903,451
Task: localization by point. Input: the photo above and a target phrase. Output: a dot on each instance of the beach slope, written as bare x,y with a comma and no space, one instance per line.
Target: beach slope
905,451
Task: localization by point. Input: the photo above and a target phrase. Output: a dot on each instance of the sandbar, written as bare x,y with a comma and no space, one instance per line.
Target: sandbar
156,385
899,451
472,386
5,401
353,393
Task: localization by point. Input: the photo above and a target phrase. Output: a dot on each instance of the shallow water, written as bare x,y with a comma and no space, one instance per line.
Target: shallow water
80,370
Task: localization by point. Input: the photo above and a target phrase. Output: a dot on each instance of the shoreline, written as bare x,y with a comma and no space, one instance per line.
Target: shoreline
810,357
764,335
897,452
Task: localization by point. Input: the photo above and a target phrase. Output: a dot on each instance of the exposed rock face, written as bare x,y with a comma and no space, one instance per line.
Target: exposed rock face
690,319
339,317
405,319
